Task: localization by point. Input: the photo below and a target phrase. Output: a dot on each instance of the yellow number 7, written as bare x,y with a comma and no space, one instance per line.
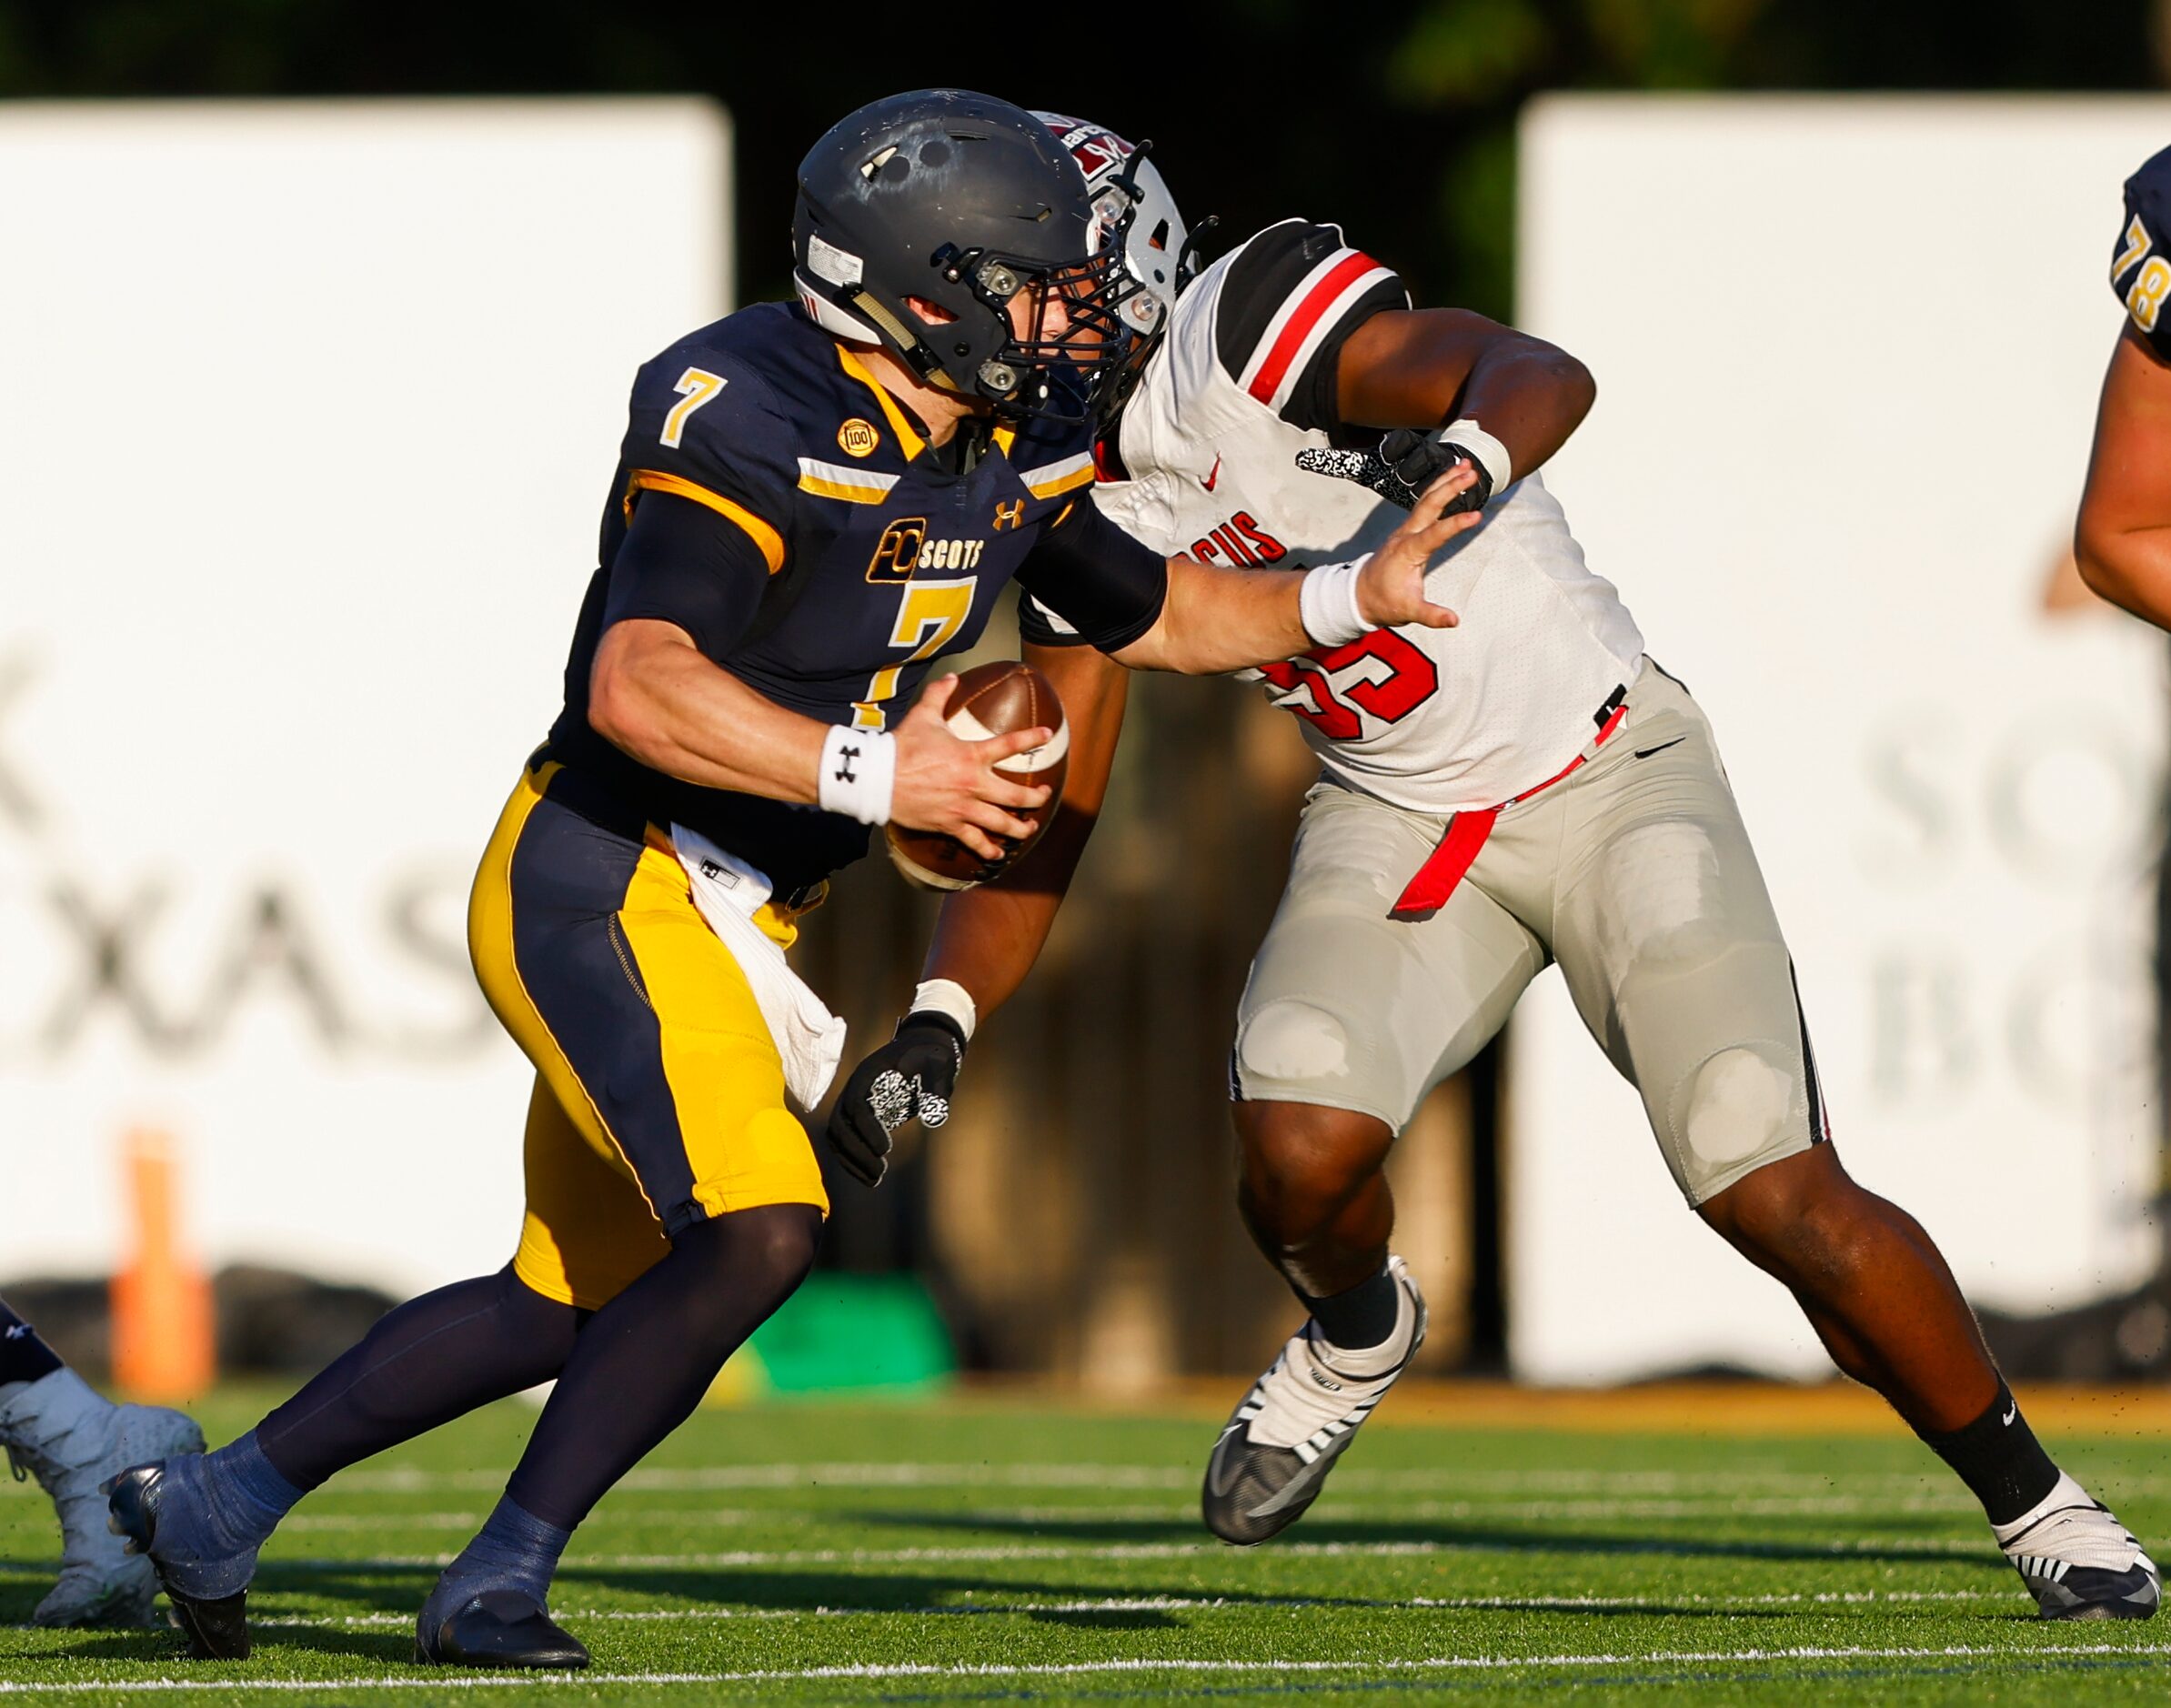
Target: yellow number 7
697,386
928,616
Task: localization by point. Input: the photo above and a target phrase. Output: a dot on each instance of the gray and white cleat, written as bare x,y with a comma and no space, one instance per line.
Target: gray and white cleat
71,1439
2078,1560
1274,1455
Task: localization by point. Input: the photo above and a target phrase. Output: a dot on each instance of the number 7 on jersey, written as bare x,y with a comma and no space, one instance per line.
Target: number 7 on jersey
696,386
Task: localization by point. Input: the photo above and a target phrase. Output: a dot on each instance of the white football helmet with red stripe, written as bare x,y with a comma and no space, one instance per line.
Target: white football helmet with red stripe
1130,196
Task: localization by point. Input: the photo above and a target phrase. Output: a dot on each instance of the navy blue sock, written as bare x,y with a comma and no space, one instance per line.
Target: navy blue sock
215,1510
644,1360
434,1358
514,1550
22,1356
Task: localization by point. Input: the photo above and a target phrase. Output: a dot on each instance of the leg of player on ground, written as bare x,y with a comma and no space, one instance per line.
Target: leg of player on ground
1887,1309
204,1517
1313,1196
1348,1016
1667,939
640,1366
55,1429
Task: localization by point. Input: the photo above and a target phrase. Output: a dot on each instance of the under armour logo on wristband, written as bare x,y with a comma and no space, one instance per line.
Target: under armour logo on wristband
845,756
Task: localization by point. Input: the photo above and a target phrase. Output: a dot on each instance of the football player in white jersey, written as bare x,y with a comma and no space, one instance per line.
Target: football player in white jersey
1526,787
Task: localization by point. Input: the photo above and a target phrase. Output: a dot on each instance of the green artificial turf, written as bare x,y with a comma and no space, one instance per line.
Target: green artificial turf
949,1551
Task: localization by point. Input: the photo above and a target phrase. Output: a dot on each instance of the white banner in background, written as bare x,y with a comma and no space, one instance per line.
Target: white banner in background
307,414
1848,355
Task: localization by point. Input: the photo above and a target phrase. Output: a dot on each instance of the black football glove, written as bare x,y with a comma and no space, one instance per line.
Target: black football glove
1406,463
910,1078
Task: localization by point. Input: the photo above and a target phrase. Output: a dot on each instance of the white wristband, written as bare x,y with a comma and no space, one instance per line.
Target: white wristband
1491,454
947,996
1327,603
858,773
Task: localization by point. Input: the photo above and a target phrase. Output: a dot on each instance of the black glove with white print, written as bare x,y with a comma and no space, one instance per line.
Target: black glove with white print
1406,463
910,1078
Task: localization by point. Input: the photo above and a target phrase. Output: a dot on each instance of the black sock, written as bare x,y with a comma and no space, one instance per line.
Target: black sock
434,1358
22,1356
1362,1317
1999,1458
644,1360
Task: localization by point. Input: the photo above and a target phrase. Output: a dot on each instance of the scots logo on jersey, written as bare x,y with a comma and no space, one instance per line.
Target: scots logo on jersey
904,546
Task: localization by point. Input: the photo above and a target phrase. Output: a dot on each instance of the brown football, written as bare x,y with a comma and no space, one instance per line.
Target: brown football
990,699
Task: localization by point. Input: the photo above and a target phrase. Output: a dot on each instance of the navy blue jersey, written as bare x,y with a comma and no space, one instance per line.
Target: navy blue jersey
847,555
2141,260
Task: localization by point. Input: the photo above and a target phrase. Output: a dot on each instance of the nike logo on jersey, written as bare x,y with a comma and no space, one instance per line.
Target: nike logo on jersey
2012,1414
1644,753
1207,480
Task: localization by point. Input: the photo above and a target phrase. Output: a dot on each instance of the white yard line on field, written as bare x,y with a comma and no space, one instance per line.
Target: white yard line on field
1693,1506
1927,1547
1201,1604
1076,1669
699,1479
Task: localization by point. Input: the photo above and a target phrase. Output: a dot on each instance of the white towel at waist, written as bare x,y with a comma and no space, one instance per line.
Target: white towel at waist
729,893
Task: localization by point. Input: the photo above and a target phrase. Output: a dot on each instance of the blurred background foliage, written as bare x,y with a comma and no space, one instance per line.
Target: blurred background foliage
1398,121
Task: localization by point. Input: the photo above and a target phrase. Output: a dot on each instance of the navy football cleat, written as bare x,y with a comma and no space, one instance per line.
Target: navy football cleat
499,1628
217,1629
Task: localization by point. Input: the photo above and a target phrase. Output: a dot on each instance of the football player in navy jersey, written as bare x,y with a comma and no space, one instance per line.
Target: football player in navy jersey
815,501
2122,541
1531,790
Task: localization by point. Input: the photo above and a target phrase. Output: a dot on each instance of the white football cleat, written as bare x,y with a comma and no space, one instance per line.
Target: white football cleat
71,1439
1274,1455
2078,1560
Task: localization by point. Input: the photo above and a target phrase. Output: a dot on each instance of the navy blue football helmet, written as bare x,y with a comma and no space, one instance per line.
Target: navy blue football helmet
962,201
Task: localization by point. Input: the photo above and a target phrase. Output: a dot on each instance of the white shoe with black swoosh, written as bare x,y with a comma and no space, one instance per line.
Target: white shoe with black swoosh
2078,1560
1279,1443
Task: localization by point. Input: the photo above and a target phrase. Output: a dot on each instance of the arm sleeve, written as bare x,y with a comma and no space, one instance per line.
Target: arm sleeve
682,563
1089,583
1289,301
2141,259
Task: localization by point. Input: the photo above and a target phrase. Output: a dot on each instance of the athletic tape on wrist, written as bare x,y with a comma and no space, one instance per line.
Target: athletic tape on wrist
947,996
1492,455
858,774
1327,603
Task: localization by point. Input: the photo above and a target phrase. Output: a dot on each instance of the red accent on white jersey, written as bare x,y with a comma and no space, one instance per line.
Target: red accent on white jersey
1440,720
1311,312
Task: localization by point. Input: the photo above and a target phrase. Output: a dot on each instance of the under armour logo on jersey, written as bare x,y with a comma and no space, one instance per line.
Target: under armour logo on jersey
1010,514
17,1331
845,756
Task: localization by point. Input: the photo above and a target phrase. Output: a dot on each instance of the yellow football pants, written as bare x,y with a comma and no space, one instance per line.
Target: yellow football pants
659,1094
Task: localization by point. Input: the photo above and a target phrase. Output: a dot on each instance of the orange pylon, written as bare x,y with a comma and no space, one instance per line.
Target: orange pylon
162,1320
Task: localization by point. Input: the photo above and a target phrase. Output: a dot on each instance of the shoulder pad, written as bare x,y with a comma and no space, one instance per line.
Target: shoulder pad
1289,292
703,424
2141,259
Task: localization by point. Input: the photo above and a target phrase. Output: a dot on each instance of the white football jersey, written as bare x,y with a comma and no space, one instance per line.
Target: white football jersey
1434,720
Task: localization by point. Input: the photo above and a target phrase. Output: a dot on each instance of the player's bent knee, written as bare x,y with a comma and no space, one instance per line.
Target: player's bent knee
1303,1162
1292,1045
1745,1106
1797,1211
